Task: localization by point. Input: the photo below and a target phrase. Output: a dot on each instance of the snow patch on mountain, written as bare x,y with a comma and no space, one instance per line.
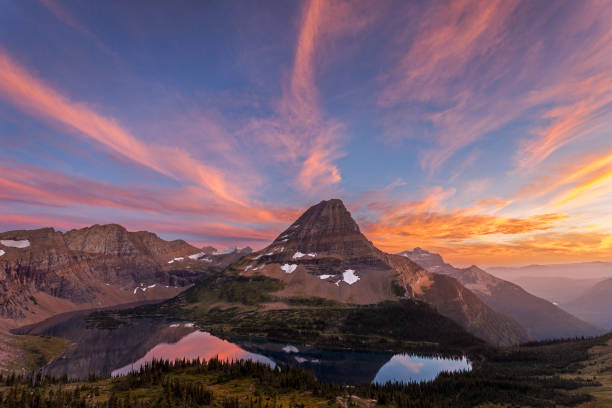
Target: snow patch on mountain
225,251
24,243
201,256
289,268
144,289
349,276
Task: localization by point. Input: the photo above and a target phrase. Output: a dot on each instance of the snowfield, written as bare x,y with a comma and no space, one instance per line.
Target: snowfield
144,289
201,256
24,243
299,254
349,276
226,251
289,268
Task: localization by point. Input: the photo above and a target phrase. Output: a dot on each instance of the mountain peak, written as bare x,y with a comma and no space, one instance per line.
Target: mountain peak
329,215
325,228
424,258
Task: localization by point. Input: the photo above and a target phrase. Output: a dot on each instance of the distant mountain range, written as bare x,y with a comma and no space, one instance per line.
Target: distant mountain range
556,289
44,272
580,270
584,289
541,318
595,305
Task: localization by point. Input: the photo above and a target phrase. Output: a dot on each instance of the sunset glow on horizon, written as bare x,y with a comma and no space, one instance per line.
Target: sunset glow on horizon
480,130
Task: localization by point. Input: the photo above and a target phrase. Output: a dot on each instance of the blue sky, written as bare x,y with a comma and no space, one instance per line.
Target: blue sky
480,130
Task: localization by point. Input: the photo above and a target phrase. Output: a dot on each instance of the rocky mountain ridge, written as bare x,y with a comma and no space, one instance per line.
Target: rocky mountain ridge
96,266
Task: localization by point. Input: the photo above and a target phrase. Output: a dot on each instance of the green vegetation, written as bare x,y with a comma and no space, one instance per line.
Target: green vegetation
232,288
396,326
531,375
179,384
32,352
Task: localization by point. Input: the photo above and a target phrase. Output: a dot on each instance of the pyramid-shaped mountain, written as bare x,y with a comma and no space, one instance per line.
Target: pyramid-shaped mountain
324,254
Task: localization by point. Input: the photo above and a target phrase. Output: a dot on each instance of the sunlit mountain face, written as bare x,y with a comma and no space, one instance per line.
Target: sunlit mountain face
480,130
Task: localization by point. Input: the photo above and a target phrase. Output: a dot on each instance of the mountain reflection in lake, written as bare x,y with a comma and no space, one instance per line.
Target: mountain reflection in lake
117,351
195,345
408,368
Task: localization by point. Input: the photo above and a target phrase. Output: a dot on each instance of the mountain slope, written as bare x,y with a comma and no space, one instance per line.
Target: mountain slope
323,254
44,272
542,319
595,304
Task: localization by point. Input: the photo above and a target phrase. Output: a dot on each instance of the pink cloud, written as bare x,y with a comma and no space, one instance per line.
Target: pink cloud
31,94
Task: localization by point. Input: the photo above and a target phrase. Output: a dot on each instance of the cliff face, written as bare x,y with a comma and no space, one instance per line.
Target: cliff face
44,271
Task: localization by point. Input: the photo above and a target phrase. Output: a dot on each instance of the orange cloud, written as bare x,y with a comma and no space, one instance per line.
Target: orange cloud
588,190
31,94
465,235
541,248
576,182
457,225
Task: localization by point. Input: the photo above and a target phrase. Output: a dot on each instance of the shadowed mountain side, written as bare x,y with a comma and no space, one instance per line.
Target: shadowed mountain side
542,319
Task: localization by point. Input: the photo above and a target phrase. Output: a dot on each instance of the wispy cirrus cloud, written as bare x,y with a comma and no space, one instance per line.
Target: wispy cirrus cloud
580,96
470,68
21,88
302,135
29,184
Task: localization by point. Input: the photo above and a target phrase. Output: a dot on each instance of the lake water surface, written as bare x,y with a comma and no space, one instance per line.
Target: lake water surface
118,351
